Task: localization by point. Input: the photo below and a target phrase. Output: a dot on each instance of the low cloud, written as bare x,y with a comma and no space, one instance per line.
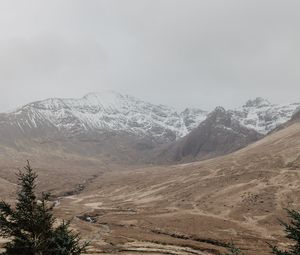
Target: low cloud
180,53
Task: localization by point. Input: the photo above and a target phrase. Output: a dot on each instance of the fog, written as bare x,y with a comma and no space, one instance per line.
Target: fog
175,52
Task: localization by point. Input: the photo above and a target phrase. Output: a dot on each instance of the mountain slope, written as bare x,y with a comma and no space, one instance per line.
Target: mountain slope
219,134
116,127
108,111
192,117
224,131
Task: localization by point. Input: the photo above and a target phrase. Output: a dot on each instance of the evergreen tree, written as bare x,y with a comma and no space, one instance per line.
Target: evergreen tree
29,224
292,230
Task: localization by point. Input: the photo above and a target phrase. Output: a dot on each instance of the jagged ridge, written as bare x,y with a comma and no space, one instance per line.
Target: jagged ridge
109,111
262,116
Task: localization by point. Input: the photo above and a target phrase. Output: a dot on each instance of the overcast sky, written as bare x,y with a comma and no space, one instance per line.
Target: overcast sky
199,53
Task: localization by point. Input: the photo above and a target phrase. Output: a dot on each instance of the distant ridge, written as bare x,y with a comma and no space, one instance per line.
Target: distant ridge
122,126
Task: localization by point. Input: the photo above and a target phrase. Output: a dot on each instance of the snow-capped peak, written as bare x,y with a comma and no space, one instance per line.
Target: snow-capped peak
106,98
112,111
105,111
259,114
257,102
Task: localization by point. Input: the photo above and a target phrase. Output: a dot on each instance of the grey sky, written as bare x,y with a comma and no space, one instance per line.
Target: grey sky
200,53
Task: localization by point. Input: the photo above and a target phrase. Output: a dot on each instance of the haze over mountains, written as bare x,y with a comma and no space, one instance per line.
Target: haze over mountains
114,124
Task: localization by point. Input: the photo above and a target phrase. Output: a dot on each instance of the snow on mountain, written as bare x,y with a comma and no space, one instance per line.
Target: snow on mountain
192,117
262,116
111,111
105,111
217,135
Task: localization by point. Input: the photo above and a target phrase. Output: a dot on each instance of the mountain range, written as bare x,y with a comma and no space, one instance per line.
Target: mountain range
126,127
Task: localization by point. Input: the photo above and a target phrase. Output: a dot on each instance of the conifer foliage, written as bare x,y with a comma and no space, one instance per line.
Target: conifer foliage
30,223
292,230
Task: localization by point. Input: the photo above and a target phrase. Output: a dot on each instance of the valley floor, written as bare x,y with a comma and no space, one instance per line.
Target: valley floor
183,209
